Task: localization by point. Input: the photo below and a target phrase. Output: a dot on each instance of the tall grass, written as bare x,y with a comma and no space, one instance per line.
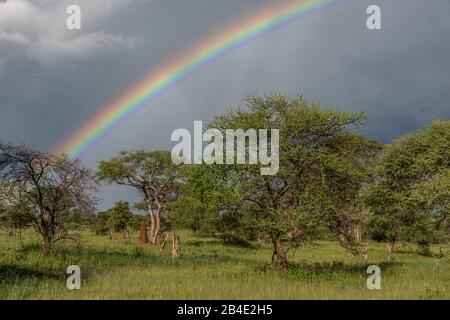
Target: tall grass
209,269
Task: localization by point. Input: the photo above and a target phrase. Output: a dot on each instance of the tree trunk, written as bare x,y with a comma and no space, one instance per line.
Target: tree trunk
47,246
163,242
357,232
391,248
365,254
156,227
175,246
158,223
280,253
152,226
154,223
143,238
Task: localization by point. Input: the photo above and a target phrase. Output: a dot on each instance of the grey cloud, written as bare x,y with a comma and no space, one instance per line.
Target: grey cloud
38,28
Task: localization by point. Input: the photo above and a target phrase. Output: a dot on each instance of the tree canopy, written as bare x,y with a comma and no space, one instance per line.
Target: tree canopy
152,174
323,164
412,186
44,187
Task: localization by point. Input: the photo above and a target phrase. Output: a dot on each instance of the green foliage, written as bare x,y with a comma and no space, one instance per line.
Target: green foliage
329,177
153,175
323,164
46,187
75,219
101,222
331,182
135,221
13,217
117,219
135,168
120,216
198,204
411,194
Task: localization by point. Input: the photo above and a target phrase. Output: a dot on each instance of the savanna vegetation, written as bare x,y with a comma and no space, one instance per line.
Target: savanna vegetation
211,269
339,202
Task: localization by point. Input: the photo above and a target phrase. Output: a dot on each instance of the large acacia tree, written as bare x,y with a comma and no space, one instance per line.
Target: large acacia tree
152,174
44,187
323,164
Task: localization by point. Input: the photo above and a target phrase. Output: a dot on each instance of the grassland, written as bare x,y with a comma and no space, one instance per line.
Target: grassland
209,269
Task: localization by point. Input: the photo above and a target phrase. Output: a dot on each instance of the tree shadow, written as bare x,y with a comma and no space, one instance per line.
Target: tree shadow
331,268
217,242
13,273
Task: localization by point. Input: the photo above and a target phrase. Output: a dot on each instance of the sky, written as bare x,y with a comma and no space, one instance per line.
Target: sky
53,80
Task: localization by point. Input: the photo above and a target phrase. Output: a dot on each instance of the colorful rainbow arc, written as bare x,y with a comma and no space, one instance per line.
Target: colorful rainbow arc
159,81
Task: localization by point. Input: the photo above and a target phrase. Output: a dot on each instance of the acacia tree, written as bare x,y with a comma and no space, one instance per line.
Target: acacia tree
152,174
323,163
409,197
45,187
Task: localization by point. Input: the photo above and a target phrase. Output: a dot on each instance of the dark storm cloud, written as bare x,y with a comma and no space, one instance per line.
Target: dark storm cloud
399,75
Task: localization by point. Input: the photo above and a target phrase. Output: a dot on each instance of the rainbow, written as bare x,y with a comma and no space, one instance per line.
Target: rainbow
161,80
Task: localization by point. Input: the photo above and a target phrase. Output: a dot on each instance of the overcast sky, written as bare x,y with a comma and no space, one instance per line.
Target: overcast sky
52,80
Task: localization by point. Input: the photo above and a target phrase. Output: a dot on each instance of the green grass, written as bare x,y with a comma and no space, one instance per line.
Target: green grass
208,269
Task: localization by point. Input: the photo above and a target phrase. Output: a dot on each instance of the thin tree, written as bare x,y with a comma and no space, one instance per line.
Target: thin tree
46,186
152,174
